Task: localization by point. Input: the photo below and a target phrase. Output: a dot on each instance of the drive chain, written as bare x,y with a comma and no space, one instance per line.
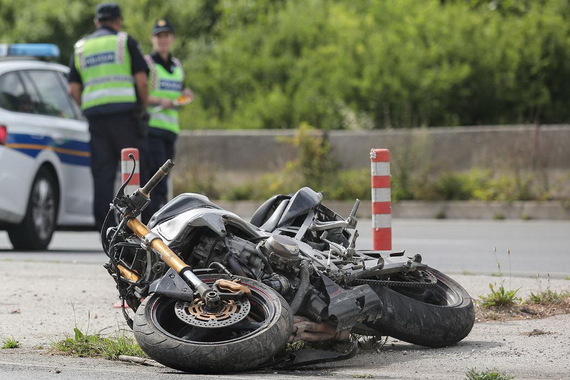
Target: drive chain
432,281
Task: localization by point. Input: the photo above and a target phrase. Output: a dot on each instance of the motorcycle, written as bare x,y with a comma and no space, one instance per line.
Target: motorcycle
214,293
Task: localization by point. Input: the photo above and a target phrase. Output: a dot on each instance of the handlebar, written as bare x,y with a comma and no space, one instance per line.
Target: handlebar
157,177
139,200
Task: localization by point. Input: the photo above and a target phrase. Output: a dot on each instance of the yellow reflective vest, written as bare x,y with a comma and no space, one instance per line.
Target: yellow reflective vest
163,84
104,63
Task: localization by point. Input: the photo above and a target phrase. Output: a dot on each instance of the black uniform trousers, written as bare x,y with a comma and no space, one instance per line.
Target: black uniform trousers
161,146
109,135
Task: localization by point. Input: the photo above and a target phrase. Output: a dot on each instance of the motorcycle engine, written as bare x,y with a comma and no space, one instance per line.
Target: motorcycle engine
282,251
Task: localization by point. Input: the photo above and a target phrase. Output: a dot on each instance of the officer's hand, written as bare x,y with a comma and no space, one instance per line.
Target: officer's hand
188,93
166,103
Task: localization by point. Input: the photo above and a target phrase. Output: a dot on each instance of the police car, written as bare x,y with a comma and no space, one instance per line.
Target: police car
45,180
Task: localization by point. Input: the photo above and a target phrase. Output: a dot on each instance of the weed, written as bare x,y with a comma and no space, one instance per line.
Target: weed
10,343
548,297
497,261
492,374
96,346
313,162
452,186
499,297
370,342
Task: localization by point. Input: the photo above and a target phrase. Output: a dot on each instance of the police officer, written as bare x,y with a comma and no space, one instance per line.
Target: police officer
166,93
108,79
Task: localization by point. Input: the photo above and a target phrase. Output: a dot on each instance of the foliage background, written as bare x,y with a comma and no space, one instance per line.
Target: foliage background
343,64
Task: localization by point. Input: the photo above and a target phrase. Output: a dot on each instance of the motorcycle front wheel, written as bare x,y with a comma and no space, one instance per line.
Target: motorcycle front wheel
247,344
436,316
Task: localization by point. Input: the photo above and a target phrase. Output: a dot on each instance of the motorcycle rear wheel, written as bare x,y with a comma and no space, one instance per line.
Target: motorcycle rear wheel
239,347
438,316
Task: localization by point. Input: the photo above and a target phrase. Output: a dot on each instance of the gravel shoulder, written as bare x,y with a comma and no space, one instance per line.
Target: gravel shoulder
43,303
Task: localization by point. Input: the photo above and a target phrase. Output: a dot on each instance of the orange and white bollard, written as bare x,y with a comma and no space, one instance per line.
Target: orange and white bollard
127,168
381,200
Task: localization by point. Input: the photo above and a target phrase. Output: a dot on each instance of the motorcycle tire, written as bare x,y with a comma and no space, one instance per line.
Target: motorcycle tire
176,344
437,316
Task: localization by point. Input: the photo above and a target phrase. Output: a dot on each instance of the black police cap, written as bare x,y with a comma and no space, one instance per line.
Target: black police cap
162,25
108,11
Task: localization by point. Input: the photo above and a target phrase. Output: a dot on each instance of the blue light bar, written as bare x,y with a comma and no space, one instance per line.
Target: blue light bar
29,50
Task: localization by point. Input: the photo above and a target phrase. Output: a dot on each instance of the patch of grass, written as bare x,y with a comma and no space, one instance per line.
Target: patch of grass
499,297
84,345
10,343
548,297
491,374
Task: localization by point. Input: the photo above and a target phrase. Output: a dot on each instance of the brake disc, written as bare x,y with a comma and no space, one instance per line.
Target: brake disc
195,314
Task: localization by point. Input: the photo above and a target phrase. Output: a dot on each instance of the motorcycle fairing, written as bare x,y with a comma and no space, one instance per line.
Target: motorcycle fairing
267,209
181,203
176,229
300,203
279,210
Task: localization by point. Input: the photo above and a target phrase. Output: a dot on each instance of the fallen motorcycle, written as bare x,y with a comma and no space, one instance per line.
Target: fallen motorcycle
213,293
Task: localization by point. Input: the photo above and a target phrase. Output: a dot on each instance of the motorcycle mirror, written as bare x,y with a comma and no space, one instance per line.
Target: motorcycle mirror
121,190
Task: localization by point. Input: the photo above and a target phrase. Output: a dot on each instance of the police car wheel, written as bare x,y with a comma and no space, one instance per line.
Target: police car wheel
36,229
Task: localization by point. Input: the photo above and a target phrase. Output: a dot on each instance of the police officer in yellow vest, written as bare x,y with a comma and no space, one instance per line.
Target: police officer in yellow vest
108,78
166,94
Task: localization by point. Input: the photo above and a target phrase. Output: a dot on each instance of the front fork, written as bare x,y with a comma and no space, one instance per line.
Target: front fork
153,242
134,204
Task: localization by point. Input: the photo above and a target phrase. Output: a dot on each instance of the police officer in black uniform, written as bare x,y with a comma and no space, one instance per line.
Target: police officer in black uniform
108,79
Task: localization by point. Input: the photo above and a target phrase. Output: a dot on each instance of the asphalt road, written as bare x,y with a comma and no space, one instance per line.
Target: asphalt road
46,294
522,248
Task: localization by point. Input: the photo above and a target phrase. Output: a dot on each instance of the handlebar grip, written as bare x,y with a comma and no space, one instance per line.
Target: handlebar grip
157,177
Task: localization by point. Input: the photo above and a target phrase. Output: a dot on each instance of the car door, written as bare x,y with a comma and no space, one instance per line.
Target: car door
17,162
65,132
